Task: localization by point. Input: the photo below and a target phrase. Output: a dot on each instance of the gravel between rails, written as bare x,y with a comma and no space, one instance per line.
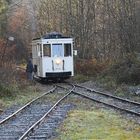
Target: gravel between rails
47,130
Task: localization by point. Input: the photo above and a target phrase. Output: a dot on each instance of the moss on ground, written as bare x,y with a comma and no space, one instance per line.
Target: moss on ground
97,125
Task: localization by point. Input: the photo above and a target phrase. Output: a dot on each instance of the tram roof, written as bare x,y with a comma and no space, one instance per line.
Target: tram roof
52,35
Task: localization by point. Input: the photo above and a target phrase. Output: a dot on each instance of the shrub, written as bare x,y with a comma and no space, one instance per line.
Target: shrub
126,71
89,67
8,75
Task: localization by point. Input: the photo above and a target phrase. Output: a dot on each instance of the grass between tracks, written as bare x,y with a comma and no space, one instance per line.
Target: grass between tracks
91,121
97,125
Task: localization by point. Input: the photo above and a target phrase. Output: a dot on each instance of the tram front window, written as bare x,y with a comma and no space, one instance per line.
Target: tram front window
67,49
57,50
47,50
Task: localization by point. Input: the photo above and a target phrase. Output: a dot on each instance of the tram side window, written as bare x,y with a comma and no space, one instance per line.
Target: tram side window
47,50
40,50
67,48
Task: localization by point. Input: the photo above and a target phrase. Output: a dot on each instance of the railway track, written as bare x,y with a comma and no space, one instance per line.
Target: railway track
24,107
38,119
118,103
23,122
121,104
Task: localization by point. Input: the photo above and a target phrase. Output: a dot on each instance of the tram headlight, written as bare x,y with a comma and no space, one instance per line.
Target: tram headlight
58,61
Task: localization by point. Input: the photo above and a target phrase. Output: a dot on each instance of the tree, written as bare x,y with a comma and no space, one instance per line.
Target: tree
3,17
103,29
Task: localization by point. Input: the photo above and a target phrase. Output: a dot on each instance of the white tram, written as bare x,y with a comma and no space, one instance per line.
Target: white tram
52,56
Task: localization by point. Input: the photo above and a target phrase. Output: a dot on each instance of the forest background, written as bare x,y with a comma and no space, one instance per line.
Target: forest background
106,34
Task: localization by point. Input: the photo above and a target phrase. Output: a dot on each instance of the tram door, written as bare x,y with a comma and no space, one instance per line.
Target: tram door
39,60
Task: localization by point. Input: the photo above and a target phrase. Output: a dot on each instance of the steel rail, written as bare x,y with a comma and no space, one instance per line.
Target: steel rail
110,105
114,106
31,129
28,104
108,95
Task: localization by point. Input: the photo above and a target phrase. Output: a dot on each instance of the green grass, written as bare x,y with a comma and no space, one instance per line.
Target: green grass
97,125
18,97
80,78
22,96
107,81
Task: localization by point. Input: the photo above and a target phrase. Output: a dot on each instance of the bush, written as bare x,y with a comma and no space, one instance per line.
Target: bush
126,71
8,75
89,67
